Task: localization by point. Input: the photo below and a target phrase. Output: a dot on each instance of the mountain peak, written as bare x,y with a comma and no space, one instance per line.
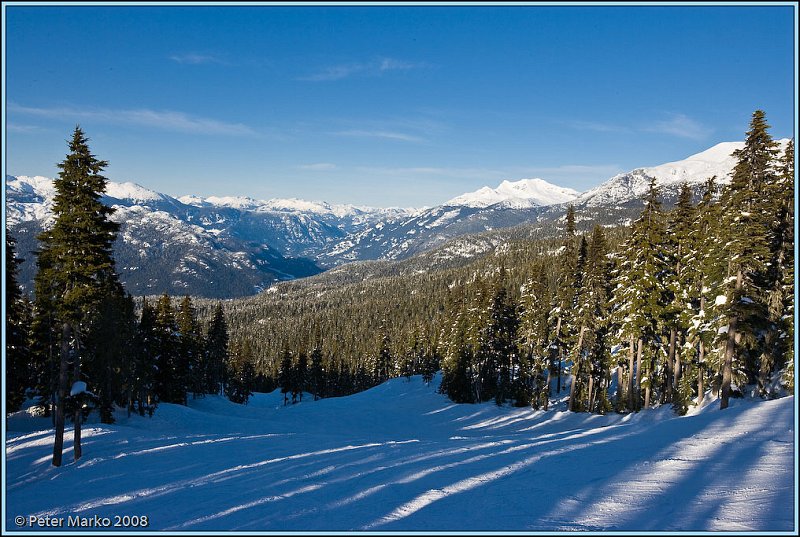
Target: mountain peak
524,193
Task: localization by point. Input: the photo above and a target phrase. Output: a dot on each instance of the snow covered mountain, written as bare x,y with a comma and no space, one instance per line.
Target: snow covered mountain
234,246
695,170
522,194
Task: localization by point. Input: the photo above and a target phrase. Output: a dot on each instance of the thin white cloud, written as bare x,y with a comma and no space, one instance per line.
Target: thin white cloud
371,68
318,166
194,58
24,129
595,126
682,126
679,125
159,119
389,135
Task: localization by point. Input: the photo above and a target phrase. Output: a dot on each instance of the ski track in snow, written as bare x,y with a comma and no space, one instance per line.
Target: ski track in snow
401,457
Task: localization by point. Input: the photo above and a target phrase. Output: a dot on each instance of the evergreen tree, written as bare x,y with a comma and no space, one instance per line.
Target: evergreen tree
145,368
190,347
747,248
317,374
285,375
561,326
18,375
501,340
216,353
171,372
75,269
240,374
111,354
640,294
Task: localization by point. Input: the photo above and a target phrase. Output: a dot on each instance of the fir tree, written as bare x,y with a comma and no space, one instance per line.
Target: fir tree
75,268
746,224
216,352
18,374
190,347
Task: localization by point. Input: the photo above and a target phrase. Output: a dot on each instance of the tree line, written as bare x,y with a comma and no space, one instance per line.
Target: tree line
696,297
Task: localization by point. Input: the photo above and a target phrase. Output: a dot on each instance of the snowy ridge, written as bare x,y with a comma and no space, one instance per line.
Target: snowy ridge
402,457
520,194
696,169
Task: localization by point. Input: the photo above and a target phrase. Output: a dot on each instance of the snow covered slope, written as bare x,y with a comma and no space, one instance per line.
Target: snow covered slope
517,194
401,457
694,170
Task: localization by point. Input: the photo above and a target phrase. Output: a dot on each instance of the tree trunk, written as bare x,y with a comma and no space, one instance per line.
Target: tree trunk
591,394
620,388
676,371
558,354
672,381
701,371
730,350
573,376
630,376
638,381
78,416
58,444
547,391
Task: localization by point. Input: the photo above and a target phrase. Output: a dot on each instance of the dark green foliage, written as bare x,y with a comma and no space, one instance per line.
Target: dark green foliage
18,325
240,374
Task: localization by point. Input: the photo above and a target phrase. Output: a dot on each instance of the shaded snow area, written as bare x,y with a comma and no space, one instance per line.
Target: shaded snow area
401,457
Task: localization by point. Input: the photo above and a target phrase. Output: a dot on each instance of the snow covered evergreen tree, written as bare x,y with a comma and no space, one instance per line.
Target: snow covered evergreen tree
746,226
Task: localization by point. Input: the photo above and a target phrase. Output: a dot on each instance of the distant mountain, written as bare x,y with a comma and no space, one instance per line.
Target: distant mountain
234,246
522,194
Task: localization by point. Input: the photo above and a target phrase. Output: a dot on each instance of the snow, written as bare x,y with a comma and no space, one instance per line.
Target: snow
133,192
521,194
694,170
401,457
77,388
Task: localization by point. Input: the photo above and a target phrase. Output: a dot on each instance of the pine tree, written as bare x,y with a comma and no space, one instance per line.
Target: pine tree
533,333
112,351
145,365
562,329
190,347
171,371
779,337
746,224
18,375
640,294
317,374
75,268
216,353
501,340
681,288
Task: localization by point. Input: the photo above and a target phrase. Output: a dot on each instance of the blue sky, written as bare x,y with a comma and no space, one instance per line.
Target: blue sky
387,105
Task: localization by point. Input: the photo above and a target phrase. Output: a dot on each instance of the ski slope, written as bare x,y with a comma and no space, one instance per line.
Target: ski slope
401,457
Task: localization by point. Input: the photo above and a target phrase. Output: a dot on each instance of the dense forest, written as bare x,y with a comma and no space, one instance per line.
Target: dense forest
696,297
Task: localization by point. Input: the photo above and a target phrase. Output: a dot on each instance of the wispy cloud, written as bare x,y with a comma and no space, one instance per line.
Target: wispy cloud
682,126
371,68
25,129
194,58
318,166
159,119
389,135
595,126
569,171
679,125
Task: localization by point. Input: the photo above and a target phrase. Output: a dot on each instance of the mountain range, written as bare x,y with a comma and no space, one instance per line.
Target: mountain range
223,247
